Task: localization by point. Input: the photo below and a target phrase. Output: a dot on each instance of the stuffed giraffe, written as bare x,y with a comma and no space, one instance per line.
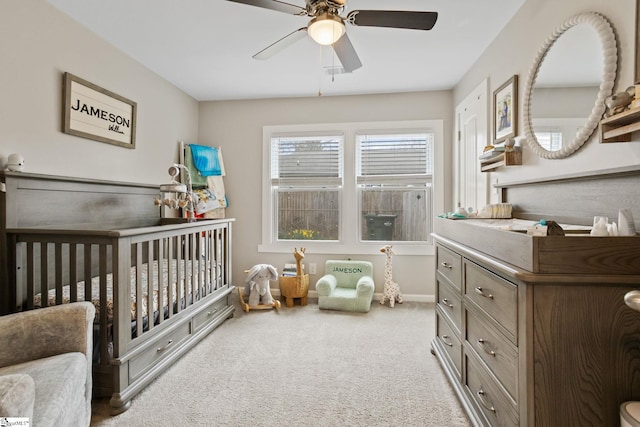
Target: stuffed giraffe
391,288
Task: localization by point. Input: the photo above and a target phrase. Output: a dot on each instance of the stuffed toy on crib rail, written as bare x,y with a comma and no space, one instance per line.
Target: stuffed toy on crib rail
257,284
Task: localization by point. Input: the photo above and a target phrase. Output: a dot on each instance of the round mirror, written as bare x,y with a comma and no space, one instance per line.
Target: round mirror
571,75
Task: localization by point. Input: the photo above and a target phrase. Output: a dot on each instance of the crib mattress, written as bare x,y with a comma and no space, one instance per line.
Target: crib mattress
144,278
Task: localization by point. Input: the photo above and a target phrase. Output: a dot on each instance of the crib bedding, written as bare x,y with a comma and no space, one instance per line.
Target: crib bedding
144,277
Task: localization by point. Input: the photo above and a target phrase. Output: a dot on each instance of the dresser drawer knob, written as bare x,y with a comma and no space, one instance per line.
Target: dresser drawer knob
161,349
481,291
447,303
481,398
445,337
482,342
446,265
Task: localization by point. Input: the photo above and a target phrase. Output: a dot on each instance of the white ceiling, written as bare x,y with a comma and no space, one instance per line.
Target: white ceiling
205,47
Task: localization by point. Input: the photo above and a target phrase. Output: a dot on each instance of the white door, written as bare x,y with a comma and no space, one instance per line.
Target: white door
471,185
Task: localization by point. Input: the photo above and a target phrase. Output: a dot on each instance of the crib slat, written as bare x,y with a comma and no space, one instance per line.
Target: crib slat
102,269
150,286
57,253
182,277
138,292
194,266
171,275
30,285
73,272
160,280
44,274
87,272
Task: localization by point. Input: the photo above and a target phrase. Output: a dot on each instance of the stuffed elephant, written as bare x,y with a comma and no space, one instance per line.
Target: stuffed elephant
257,284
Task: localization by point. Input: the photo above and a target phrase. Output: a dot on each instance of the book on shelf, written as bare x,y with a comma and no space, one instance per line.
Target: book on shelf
290,270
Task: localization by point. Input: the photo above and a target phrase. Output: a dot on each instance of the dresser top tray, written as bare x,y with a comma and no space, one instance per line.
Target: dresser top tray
575,253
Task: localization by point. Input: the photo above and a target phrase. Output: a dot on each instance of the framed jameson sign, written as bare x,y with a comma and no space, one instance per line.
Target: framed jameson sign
95,113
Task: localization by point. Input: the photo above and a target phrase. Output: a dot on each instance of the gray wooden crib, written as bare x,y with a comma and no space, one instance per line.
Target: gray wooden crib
159,285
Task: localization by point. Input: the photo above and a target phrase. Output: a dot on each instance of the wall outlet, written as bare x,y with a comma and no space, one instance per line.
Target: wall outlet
312,268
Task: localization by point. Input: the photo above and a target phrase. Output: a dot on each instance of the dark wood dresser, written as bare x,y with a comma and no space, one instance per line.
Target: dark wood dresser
534,331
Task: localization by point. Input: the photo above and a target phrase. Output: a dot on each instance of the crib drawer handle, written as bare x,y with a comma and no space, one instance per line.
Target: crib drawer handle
212,312
481,291
161,349
446,265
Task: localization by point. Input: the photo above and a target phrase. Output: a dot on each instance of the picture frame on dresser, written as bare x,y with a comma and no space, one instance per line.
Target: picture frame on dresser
505,111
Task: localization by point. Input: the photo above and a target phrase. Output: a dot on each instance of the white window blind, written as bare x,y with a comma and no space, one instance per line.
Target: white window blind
402,154
297,159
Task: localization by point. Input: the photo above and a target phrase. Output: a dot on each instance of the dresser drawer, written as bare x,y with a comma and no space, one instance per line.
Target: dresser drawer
450,342
488,396
496,296
494,349
207,315
451,303
449,264
156,350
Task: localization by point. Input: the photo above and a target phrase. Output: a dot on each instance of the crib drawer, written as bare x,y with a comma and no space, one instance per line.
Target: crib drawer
212,312
157,350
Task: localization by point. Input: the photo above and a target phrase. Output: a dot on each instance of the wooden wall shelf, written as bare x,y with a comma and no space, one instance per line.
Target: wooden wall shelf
507,158
618,128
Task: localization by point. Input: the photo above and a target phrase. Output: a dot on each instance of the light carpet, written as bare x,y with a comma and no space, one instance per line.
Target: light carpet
302,366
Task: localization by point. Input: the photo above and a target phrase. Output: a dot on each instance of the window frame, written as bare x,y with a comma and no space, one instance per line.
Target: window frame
350,205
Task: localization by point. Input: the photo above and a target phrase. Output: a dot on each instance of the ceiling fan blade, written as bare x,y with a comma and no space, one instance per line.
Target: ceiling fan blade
393,19
281,44
280,6
347,54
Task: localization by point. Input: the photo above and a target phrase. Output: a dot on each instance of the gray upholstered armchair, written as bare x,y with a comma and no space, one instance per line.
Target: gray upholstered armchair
346,286
46,363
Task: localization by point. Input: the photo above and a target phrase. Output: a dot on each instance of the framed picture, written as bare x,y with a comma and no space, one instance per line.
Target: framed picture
92,112
505,111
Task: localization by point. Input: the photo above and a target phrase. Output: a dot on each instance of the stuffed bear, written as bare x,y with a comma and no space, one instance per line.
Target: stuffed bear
257,284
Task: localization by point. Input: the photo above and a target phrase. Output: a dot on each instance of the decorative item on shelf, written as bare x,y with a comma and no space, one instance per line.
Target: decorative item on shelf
15,162
183,194
292,287
258,289
619,102
391,289
501,155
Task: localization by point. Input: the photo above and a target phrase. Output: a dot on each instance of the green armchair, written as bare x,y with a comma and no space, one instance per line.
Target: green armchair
346,286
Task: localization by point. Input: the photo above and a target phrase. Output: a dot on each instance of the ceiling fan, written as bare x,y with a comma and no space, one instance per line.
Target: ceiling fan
327,27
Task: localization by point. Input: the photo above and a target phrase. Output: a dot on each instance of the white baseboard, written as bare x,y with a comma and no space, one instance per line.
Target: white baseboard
376,296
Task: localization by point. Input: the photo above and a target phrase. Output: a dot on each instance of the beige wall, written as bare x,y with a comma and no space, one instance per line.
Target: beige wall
237,127
513,52
37,45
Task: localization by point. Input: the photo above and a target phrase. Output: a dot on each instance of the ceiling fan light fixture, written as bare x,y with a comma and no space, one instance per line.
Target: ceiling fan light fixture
326,29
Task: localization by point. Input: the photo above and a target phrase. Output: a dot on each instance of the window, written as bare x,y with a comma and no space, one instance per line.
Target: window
549,139
394,174
306,178
346,188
